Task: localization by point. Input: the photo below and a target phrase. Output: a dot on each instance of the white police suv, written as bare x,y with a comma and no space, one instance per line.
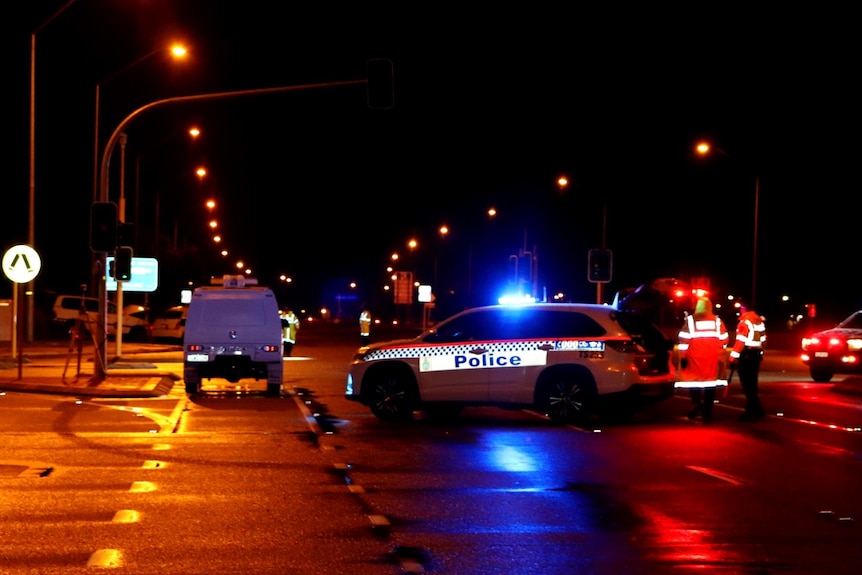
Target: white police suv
563,360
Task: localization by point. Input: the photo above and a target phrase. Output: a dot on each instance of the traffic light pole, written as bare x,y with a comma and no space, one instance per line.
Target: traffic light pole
121,218
600,287
101,350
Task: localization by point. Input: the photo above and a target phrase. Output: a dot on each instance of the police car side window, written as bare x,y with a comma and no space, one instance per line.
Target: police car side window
556,324
469,327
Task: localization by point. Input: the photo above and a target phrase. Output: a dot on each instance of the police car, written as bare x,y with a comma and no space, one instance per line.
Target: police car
563,360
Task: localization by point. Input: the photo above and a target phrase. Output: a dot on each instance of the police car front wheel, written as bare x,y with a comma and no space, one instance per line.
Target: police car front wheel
392,395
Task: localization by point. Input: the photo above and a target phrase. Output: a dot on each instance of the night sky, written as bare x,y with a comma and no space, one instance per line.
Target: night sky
490,108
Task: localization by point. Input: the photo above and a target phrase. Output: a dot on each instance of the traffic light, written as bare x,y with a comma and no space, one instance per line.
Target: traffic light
103,226
123,264
600,266
380,89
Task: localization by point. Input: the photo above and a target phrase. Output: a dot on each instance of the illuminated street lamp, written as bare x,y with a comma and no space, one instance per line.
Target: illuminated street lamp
177,51
562,184
704,149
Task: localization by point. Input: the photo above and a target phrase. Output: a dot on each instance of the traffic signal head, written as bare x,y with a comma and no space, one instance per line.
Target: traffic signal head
103,226
123,264
600,266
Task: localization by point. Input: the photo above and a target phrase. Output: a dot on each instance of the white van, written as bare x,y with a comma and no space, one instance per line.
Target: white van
68,308
233,331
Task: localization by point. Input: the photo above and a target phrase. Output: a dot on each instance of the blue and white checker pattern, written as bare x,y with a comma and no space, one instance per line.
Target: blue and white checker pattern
416,351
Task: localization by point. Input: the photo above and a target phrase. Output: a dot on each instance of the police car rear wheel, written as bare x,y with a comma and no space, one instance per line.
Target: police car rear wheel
565,399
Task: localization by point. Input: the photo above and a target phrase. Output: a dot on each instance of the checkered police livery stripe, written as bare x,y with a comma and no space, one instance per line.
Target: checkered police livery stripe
414,352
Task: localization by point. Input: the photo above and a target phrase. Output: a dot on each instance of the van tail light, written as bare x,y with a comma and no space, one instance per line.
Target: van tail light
195,347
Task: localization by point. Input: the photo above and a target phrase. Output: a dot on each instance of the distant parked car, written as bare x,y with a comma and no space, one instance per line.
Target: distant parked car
834,350
68,309
170,324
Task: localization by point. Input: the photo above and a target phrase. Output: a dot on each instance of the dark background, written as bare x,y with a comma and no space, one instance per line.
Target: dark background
491,106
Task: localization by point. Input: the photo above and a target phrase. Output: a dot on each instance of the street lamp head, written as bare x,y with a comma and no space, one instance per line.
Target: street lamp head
705,148
179,51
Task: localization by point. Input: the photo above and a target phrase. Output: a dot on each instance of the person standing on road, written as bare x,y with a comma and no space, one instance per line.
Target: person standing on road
702,341
365,327
290,325
745,357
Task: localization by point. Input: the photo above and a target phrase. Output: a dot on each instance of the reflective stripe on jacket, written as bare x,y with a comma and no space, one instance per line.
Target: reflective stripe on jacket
750,334
701,344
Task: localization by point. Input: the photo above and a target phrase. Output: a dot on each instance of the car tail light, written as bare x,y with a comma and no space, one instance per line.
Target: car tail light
195,347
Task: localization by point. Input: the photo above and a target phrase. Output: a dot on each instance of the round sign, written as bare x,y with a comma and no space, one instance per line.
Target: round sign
21,264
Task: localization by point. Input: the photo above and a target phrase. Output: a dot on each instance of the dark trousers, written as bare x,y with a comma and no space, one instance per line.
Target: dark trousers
703,399
748,368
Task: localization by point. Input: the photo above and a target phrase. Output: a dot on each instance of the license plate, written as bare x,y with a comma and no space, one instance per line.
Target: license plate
821,354
197,357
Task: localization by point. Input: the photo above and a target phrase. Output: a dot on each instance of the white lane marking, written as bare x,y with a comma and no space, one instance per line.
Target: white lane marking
717,474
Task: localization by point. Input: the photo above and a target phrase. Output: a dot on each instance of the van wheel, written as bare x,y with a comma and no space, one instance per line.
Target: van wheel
193,380
564,398
274,377
392,395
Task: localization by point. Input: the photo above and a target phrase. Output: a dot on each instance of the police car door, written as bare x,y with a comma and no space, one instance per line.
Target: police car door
517,357
451,365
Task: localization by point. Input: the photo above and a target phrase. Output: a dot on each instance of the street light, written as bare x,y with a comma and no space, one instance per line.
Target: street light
100,193
177,51
31,225
562,184
704,149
